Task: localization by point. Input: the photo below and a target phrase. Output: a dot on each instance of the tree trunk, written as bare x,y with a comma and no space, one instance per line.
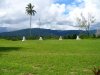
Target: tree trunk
30,24
88,30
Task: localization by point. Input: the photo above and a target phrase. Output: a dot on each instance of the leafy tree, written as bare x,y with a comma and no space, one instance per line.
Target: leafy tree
85,23
30,11
91,19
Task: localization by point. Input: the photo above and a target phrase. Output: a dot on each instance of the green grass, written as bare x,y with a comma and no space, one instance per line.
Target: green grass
49,57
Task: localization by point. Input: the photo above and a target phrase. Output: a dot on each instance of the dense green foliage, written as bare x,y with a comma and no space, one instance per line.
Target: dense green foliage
49,57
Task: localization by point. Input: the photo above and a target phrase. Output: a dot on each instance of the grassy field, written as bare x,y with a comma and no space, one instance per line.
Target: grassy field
49,57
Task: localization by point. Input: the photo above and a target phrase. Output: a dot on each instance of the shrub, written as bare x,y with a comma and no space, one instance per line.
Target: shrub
96,71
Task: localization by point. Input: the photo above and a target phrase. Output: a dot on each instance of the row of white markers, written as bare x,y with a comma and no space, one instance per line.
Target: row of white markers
60,38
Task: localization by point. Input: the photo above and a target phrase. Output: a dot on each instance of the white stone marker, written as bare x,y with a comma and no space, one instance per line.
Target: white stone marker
77,38
60,38
23,38
40,38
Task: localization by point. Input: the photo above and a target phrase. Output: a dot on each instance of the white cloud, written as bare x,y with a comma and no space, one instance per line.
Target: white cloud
14,10
88,6
12,13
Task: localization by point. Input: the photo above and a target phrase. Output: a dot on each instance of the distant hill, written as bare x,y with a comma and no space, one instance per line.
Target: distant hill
6,29
3,29
43,32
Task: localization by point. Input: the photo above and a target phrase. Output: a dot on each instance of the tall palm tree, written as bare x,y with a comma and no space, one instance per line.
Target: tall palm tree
30,11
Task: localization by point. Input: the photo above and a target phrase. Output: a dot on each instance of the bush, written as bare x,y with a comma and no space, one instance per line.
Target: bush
96,71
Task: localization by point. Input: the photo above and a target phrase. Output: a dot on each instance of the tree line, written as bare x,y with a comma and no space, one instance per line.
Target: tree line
52,37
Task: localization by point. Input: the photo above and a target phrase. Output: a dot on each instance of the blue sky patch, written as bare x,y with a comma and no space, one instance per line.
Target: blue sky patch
69,2
64,1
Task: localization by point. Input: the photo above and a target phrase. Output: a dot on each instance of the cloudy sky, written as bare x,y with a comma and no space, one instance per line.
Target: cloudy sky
51,14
